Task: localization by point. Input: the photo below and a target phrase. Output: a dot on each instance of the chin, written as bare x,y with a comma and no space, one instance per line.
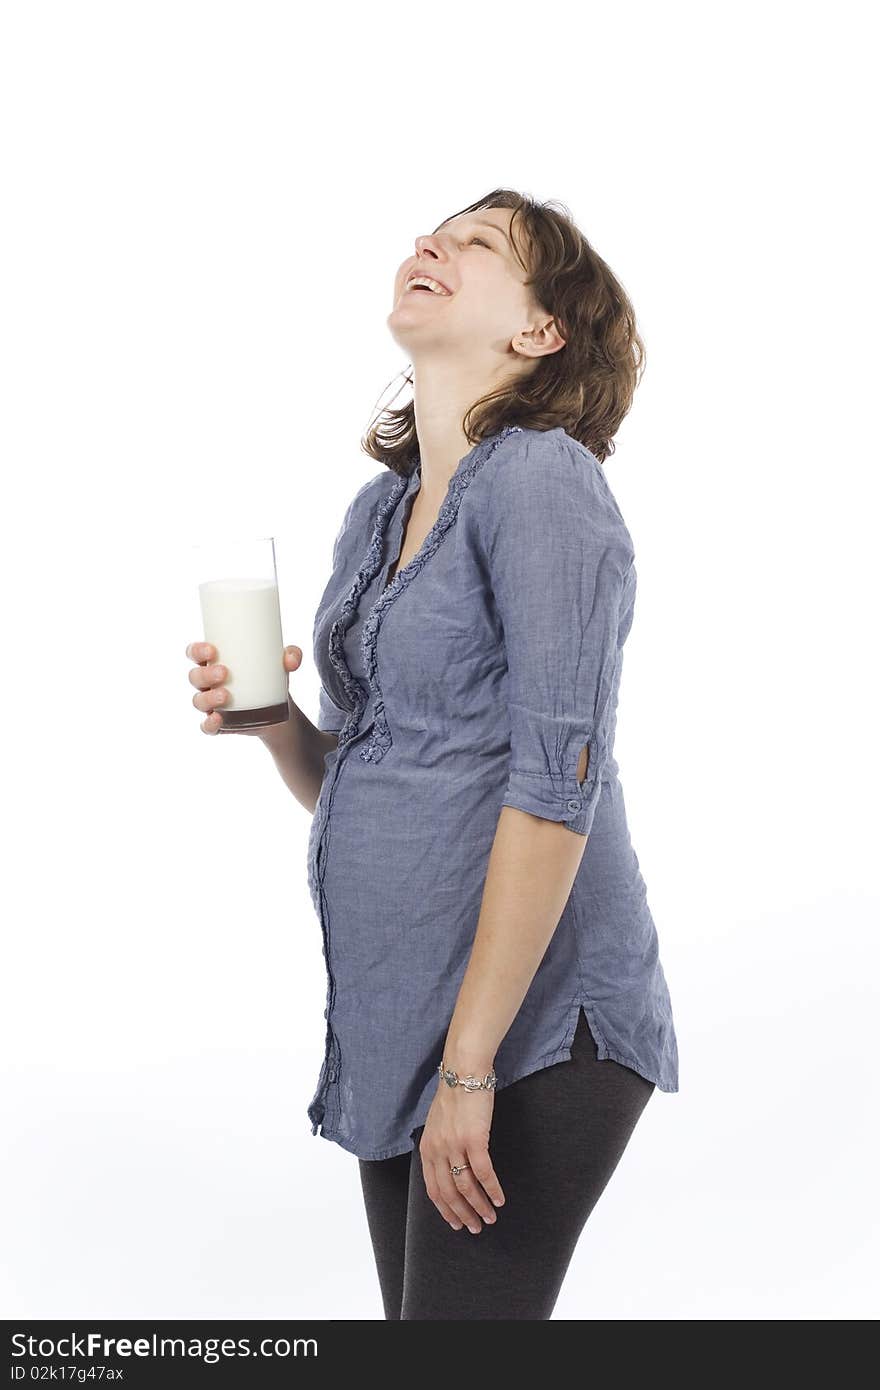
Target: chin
405,330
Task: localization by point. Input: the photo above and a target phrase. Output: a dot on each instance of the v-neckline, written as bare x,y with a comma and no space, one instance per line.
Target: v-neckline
406,504
414,483
389,514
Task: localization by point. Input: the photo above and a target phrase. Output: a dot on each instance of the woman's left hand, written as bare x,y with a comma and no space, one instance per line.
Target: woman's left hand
456,1132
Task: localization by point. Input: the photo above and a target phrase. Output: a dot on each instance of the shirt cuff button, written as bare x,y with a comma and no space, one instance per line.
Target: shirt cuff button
573,805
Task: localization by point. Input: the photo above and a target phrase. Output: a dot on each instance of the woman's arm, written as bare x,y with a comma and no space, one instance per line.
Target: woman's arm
558,555
531,871
299,748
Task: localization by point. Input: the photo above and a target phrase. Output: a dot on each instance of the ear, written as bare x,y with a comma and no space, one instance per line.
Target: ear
539,341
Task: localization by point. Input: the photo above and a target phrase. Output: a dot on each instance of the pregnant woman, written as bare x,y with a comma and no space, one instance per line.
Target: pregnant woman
497,1012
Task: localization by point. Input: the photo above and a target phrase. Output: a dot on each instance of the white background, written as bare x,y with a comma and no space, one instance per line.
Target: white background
205,206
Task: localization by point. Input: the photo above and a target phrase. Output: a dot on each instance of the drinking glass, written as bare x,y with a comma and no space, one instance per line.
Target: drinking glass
241,617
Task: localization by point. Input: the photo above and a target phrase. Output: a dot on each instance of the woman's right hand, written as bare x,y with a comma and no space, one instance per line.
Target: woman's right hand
208,678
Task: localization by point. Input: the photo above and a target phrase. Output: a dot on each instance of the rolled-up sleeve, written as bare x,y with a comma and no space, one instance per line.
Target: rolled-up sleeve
558,555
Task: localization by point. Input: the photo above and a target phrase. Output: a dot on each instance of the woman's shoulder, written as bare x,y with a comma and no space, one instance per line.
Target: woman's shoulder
376,488
549,471
361,513
553,457
365,503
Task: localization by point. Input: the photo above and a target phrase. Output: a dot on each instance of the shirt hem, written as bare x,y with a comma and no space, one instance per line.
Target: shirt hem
547,1059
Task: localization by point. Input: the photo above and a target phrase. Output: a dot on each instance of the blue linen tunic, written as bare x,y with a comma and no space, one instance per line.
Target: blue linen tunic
471,682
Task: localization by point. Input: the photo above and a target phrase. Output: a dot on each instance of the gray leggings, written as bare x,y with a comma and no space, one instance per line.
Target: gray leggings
557,1135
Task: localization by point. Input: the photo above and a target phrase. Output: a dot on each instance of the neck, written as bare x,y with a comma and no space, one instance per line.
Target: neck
441,400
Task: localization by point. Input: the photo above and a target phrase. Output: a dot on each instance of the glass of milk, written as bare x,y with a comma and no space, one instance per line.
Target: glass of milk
241,616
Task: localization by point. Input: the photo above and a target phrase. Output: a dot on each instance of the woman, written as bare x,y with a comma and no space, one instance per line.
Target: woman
483,913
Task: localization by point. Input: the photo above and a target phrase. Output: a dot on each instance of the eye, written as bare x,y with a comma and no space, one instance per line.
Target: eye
482,242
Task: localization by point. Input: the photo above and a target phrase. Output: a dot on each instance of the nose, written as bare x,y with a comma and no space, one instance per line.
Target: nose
427,243
427,247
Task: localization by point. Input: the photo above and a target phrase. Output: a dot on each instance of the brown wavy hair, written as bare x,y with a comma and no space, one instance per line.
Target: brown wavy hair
587,386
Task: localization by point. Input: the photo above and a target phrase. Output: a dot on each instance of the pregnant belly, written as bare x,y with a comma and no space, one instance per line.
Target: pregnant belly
404,861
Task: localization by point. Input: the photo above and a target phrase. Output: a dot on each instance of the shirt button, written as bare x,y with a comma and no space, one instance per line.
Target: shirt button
573,805
331,1075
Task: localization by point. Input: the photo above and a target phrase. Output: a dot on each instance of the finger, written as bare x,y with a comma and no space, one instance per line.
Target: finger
292,657
447,1213
208,700
484,1172
212,724
455,1199
471,1190
206,676
436,1197
201,651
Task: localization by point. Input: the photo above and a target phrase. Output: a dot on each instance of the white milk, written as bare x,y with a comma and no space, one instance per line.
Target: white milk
242,619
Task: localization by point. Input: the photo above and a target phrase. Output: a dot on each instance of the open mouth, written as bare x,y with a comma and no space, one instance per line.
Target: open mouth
428,285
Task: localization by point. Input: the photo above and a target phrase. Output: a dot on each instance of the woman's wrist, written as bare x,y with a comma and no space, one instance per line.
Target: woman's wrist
468,1056
277,735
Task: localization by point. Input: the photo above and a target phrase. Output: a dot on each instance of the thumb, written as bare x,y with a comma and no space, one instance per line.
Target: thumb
292,658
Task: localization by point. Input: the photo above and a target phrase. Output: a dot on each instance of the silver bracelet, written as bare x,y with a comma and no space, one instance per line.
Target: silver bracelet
470,1083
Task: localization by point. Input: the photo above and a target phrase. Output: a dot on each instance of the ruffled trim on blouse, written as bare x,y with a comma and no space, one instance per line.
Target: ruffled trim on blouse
380,741
372,561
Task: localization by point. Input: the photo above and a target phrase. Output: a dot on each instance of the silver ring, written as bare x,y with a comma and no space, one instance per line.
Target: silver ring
459,1168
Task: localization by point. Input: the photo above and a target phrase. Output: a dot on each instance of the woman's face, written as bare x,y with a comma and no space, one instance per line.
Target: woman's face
487,304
